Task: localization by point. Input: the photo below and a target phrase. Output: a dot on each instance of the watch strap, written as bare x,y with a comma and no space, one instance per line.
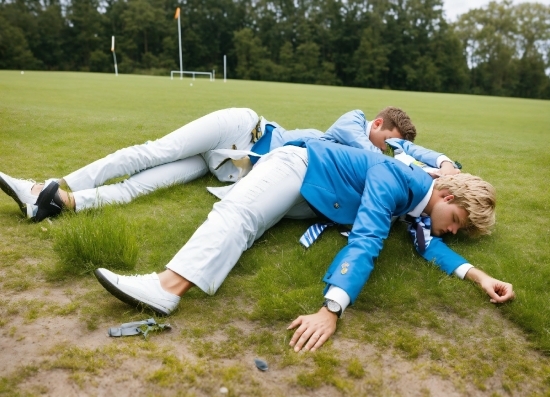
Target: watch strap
326,304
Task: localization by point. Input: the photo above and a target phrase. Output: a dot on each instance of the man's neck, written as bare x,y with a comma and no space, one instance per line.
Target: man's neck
428,209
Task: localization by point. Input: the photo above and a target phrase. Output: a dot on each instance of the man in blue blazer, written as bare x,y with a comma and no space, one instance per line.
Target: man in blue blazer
344,184
348,187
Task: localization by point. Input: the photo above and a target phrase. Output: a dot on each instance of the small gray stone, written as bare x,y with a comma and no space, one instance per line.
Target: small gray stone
261,364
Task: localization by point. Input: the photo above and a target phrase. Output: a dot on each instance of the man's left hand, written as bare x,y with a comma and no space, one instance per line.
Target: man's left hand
313,330
498,291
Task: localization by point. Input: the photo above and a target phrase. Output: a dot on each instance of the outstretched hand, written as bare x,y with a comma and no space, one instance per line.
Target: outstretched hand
313,330
498,291
448,168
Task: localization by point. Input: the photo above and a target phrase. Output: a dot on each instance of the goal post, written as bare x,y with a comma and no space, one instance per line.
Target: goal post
193,73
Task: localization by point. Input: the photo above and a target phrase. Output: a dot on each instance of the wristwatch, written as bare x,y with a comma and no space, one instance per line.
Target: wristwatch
333,307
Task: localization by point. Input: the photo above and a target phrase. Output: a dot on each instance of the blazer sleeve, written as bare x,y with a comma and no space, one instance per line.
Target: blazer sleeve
351,130
420,153
353,265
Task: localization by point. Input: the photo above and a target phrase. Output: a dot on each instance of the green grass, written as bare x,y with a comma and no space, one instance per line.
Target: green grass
54,123
92,239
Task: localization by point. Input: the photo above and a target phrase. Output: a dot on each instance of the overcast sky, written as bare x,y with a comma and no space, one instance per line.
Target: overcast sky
453,8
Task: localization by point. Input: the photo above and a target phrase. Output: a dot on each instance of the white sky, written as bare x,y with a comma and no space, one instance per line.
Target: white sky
454,8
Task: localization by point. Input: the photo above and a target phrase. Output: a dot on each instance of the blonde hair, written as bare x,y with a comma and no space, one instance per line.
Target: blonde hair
397,118
476,196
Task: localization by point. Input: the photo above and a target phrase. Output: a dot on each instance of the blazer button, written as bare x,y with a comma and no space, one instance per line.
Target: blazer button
336,205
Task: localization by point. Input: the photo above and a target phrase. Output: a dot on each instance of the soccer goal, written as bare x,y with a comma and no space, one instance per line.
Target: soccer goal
211,74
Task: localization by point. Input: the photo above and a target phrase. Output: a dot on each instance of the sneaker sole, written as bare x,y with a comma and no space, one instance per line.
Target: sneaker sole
126,298
45,208
10,192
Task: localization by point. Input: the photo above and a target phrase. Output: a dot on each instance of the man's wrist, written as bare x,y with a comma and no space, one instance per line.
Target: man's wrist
443,159
339,295
333,307
476,275
462,270
325,310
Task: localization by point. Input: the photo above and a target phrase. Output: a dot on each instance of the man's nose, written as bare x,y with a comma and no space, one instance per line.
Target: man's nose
453,229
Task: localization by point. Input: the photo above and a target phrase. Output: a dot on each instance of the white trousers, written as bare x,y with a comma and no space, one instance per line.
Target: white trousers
256,203
179,157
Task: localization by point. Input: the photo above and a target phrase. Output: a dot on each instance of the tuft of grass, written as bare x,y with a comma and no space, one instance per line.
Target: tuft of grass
9,383
174,371
77,359
355,368
95,238
324,373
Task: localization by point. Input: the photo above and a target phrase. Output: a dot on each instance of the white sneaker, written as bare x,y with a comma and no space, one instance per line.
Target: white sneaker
19,190
31,210
138,290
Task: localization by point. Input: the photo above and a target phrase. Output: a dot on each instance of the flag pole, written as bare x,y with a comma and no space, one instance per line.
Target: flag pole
179,39
114,55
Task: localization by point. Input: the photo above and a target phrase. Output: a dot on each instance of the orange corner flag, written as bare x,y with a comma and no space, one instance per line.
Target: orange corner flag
177,13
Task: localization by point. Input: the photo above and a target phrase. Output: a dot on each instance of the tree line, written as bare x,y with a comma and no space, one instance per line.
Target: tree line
500,49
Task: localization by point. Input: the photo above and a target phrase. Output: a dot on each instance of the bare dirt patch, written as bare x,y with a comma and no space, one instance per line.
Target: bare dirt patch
52,354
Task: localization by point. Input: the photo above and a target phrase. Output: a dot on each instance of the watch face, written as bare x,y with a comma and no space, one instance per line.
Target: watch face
333,306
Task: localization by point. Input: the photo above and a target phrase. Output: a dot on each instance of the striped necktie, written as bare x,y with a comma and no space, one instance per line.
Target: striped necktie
313,232
418,227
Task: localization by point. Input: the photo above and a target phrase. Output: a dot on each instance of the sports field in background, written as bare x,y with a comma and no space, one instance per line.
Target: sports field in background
440,327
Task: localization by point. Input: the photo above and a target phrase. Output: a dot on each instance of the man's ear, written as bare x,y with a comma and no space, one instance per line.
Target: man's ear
377,123
448,198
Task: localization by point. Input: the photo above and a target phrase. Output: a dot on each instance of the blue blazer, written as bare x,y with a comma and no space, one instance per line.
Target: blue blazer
353,186
351,129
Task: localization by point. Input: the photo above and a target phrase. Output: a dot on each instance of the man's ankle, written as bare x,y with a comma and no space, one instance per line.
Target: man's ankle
67,198
173,283
36,189
63,184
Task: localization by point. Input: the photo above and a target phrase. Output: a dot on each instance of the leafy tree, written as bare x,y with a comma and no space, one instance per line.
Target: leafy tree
141,18
488,35
84,33
371,59
252,61
450,61
50,41
100,61
504,45
14,49
22,14
533,26
286,62
307,61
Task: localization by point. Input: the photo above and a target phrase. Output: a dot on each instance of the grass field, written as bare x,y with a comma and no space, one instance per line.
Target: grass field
413,330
